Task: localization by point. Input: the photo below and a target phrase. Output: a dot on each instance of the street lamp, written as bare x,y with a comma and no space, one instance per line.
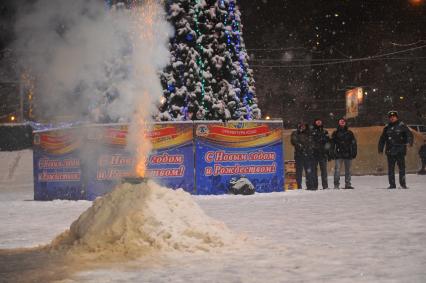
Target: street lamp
416,2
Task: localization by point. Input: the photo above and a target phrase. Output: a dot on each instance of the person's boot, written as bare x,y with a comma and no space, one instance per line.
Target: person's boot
349,187
404,186
391,187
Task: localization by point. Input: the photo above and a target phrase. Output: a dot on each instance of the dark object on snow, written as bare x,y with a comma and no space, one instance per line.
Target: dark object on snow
241,186
134,180
15,137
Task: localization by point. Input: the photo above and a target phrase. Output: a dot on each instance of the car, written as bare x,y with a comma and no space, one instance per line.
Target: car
419,128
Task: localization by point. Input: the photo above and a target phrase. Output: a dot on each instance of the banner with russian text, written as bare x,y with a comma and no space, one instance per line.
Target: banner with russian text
170,163
57,165
237,153
105,159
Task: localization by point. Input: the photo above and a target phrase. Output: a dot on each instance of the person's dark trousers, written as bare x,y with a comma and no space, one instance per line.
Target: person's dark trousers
322,163
400,161
299,171
309,174
303,163
423,164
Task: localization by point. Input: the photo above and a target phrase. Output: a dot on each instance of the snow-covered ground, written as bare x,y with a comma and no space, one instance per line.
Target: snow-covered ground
369,234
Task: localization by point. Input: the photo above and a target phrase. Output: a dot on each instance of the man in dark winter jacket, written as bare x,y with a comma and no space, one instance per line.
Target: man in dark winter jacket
422,154
396,135
344,149
321,152
302,141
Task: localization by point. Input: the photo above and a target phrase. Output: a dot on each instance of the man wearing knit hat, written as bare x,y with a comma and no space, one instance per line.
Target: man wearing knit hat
396,135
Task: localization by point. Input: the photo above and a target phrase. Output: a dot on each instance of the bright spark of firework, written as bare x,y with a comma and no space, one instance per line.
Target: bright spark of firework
145,16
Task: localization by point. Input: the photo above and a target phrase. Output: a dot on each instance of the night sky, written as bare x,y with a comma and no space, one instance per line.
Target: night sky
302,52
301,39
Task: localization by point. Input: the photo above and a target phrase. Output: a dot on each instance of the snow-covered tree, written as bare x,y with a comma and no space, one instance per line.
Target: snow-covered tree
208,77
181,80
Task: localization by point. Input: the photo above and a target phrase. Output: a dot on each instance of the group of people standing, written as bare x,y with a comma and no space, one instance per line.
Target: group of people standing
314,148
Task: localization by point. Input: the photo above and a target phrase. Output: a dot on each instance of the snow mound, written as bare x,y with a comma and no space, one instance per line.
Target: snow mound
135,220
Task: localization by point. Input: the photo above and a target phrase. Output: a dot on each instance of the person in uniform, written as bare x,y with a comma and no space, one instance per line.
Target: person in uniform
394,139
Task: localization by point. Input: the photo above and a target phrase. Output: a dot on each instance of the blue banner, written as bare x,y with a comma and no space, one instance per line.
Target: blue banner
173,168
88,161
57,165
170,163
238,154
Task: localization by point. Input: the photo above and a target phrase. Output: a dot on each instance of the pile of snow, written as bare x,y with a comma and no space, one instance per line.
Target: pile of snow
135,220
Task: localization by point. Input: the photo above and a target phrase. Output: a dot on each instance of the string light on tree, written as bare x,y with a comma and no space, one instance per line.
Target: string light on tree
208,77
235,47
199,61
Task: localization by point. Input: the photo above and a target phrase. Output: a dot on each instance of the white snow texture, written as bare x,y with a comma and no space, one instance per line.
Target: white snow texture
369,234
134,220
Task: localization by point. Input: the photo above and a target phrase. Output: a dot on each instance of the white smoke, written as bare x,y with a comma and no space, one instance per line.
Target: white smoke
90,61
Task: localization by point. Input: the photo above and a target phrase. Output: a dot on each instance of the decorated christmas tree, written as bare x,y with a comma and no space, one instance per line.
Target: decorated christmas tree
208,77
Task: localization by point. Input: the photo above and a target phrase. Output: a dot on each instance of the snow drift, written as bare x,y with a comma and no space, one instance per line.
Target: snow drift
136,220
